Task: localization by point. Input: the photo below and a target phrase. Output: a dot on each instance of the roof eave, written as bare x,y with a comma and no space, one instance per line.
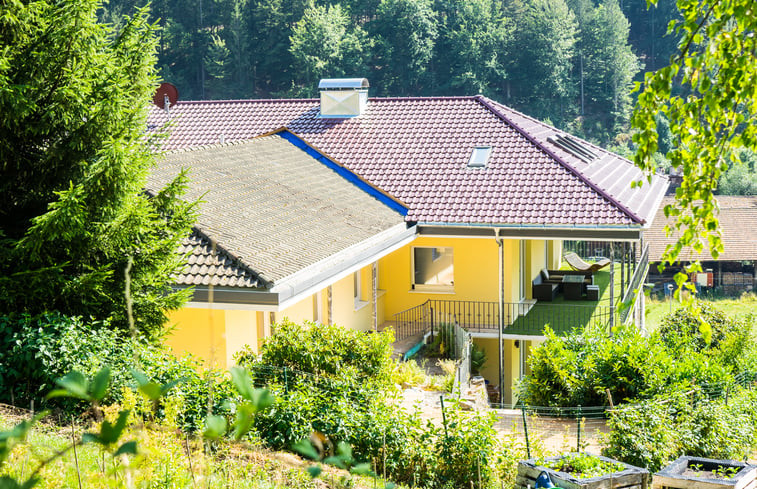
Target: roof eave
532,231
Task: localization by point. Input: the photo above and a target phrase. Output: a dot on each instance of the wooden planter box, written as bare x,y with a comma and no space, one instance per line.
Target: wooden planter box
629,478
701,473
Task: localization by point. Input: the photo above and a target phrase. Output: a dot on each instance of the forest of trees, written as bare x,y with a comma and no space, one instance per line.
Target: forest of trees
570,62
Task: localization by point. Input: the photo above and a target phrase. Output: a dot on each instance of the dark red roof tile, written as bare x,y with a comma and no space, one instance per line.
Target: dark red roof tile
417,150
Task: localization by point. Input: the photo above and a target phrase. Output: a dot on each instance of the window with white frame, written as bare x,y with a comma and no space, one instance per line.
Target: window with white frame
357,287
433,269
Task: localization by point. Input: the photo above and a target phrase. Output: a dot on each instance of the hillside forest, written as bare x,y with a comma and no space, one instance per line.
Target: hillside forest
571,63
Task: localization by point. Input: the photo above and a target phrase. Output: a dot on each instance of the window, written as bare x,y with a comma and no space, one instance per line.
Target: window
479,157
357,287
433,269
318,308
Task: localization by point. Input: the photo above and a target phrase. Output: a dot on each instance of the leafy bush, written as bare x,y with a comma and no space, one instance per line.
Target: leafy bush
409,372
467,449
327,350
682,329
478,358
35,351
643,435
660,430
577,370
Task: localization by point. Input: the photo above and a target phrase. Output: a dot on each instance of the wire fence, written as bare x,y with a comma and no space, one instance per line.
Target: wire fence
541,429
584,428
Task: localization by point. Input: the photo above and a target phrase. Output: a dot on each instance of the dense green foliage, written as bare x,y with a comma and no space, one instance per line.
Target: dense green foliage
710,115
660,430
328,351
73,162
337,384
679,390
577,370
280,48
35,351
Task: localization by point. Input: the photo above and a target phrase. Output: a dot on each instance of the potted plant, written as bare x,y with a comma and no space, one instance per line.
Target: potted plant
581,471
705,473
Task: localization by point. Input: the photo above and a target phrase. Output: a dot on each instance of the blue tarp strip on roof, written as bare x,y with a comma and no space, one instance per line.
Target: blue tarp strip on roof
345,173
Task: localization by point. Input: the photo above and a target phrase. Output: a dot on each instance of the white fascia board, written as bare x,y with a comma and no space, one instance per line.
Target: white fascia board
328,271
231,306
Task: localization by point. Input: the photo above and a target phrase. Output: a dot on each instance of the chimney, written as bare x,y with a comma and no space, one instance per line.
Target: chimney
343,97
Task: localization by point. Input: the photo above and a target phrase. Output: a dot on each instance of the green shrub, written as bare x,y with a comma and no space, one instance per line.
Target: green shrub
660,430
478,358
409,372
556,372
577,370
328,351
35,351
682,329
643,435
467,449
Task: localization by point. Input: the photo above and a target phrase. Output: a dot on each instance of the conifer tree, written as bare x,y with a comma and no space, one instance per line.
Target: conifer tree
74,217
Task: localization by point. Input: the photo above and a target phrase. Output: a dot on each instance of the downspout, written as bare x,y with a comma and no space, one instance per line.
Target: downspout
374,292
612,286
500,249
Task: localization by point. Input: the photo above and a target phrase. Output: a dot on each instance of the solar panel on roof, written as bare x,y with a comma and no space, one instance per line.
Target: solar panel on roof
574,147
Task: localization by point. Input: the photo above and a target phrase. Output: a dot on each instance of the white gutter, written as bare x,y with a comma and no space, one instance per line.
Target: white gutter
313,278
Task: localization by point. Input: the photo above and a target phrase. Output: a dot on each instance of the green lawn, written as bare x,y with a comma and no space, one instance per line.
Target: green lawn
656,310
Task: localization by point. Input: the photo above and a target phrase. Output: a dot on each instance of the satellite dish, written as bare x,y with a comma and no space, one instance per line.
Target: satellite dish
166,96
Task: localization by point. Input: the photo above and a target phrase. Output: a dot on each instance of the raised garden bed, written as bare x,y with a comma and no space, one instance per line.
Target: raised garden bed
706,473
582,471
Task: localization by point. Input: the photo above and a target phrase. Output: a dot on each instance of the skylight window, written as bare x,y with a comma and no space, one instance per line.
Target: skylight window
479,156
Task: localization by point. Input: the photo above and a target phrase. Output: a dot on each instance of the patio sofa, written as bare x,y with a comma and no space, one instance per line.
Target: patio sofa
548,283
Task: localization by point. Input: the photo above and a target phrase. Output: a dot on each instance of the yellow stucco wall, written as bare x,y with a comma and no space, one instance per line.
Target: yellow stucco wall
475,273
510,361
299,312
555,254
201,332
343,306
241,330
215,335
511,265
476,269
343,302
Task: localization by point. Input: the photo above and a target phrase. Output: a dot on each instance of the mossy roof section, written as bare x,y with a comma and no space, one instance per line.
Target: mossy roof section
272,208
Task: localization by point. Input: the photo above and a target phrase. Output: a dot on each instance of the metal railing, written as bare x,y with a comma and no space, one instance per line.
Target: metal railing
562,318
635,285
483,317
594,249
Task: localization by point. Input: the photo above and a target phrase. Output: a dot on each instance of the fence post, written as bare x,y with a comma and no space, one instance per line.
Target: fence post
444,417
525,430
578,436
432,323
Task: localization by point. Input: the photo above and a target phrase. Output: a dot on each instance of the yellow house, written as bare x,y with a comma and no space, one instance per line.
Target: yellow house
402,212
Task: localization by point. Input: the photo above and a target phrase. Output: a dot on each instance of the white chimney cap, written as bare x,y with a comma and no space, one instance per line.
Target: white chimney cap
343,83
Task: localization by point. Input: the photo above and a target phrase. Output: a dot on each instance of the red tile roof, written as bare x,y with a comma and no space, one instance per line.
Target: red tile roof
417,149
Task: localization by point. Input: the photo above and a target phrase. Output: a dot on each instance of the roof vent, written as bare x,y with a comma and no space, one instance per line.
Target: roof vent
343,97
479,157
574,147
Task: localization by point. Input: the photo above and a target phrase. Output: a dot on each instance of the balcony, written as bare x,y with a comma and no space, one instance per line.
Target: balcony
528,318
